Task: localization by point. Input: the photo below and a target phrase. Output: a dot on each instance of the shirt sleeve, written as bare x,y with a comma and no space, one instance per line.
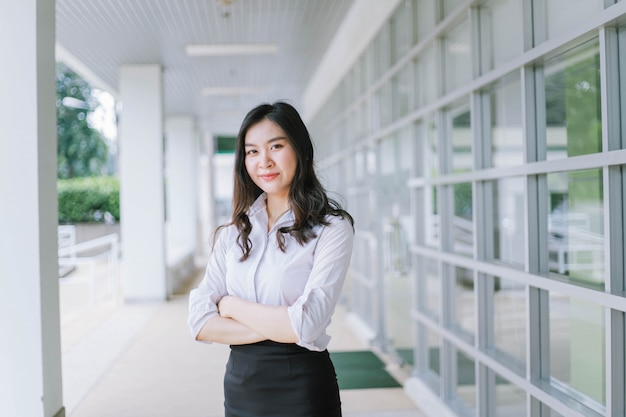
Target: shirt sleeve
203,299
311,313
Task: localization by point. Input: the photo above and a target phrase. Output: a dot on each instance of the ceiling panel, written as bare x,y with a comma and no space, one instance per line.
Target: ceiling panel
105,34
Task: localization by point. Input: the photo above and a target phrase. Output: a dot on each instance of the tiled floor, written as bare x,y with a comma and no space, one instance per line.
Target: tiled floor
139,360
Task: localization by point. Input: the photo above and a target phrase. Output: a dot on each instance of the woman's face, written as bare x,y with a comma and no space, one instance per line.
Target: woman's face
270,159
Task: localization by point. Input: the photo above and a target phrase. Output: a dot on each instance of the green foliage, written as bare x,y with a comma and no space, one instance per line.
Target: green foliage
81,150
88,199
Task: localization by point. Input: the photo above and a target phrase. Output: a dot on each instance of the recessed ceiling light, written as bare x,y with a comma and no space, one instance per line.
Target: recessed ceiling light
231,49
232,91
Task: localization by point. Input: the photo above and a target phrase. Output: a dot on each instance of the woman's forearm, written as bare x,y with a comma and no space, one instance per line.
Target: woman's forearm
271,321
228,331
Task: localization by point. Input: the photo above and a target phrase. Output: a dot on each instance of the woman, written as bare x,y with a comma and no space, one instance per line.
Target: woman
275,275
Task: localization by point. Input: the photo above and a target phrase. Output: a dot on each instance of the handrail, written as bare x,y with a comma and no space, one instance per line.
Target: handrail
69,255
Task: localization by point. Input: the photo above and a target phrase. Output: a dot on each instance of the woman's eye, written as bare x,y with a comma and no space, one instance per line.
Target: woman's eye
251,151
277,146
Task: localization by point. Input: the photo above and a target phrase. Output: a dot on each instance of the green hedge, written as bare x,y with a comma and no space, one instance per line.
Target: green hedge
86,200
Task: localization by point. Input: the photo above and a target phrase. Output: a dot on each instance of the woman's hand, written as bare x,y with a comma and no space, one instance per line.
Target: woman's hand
224,306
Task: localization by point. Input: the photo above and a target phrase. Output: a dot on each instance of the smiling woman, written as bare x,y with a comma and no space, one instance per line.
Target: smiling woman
275,274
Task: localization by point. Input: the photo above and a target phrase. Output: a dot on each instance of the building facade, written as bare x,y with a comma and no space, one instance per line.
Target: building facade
480,147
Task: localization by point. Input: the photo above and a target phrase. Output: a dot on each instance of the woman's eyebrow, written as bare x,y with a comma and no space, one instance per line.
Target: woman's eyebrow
277,138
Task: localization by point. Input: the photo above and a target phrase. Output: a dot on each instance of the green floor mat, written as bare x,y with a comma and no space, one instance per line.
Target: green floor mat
361,369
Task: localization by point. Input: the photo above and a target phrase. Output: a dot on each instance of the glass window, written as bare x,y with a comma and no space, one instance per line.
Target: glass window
510,400
385,105
402,92
463,302
450,5
426,17
572,91
433,370
577,348
382,52
576,226
500,32
562,15
401,30
509,323
387,156
507,138
466,381
429,286
509,223
462,227
462,158
431,145
426,77
457,58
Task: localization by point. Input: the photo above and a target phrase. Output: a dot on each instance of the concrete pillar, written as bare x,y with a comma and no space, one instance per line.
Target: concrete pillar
30,351
181,153
142,202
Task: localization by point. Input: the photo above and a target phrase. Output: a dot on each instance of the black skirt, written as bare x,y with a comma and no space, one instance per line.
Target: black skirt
269,379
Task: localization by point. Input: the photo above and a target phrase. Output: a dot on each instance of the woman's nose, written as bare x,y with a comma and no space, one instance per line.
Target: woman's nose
266,161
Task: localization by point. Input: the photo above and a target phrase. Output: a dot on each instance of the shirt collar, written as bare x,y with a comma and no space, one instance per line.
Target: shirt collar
258,208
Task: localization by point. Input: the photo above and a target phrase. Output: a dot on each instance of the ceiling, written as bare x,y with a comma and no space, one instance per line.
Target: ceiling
99,36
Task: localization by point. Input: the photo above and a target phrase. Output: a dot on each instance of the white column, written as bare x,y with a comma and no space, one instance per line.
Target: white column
142,204
181,155
30,347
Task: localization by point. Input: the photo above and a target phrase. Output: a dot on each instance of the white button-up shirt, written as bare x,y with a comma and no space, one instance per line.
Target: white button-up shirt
307,278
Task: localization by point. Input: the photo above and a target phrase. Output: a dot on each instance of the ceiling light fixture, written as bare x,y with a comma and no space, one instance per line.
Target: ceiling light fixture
231,49
232,91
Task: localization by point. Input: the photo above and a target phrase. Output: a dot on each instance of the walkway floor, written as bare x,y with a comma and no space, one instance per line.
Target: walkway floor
139,360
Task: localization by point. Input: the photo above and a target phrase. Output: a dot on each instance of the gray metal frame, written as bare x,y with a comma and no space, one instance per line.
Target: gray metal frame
542,394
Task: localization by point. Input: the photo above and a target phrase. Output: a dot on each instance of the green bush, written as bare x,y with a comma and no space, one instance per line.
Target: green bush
88,199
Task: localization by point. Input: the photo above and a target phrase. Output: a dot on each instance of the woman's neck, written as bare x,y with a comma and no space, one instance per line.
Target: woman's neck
275,209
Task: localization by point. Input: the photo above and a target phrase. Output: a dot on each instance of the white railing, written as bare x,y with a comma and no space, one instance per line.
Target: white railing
105,249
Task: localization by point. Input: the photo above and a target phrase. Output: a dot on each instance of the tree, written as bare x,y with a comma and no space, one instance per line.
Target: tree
81,149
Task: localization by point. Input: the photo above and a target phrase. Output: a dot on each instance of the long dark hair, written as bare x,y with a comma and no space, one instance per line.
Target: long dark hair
307,196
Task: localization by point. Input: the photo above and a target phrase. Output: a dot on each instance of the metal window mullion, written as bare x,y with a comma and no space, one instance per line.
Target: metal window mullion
476,49
609,95
611,67
615,363
380,291
621,40
527,26
486,398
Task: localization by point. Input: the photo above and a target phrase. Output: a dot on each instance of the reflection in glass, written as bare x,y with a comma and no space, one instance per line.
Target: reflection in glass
466,381
464,305
562,15
510,400
429,284
461,141
426,77
500,32
462,227
401,92
509,222
457,57
382,52
509,322
401,30
577,348
433,360
385,105
573,114
576,226
507,139
426,17
450,5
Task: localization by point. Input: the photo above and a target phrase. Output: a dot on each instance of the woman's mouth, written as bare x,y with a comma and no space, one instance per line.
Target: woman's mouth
268,177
